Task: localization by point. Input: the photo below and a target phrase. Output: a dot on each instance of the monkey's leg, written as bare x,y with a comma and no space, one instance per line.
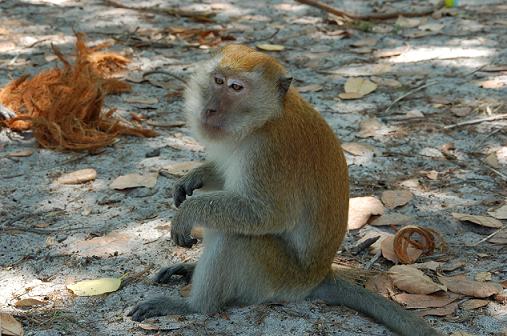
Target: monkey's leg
337,291
158,307
183,269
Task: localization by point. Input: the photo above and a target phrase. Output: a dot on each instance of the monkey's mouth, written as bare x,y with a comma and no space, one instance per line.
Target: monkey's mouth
212,127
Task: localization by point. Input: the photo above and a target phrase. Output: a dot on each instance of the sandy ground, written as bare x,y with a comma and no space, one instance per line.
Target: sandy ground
66,233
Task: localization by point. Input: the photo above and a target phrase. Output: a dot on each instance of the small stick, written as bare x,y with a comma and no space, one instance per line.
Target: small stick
477,121
409,93
385,16
491,235
363,245
373,260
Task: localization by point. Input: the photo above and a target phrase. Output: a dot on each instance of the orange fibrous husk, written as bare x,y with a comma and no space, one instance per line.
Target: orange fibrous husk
63,106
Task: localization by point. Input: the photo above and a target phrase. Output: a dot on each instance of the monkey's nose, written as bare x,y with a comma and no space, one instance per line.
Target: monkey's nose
210,112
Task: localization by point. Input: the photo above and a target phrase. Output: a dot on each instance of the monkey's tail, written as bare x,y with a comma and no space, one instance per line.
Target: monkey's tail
337,291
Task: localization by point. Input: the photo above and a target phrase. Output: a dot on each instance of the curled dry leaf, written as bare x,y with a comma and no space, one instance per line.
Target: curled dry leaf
391,219
181,168
78,176
403,241
360,210
270,47
474,304
357,87
387,248
468,287
412,280
480,220
396,198
95,287
134,181
10,326
443,311
413,301
500,213
29,302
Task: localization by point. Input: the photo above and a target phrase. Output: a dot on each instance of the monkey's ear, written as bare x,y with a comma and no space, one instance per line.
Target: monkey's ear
284,84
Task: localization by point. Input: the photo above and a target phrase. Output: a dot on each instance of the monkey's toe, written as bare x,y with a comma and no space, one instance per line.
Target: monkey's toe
148,309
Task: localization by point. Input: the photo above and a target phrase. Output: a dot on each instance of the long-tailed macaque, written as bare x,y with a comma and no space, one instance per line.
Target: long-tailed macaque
277,209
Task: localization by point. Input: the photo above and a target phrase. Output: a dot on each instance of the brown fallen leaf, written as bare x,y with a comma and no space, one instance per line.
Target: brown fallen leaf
480,220
21,153
500,213
468,287
432,174
443,311
431,265
431,152
359,149
492,160
501,297
181,168
483,276
134,181
500,238
10,326
381,284
412,301
367,42
110,244
452,265
474,304
360,210
412,280
29,302
310,88
405,22
391,219
396,198
369,127
387,248
78,176
185,290
270,47
357,87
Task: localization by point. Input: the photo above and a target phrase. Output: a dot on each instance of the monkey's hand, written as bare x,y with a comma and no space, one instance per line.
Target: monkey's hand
181,226
185,187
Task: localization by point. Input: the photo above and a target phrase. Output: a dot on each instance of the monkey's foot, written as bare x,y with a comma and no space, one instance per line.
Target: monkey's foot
184,269
158,307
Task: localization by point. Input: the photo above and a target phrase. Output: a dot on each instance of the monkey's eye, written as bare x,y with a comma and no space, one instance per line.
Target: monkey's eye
219,80
236,87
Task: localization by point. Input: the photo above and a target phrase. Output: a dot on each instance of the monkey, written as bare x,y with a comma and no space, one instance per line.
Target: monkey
275,202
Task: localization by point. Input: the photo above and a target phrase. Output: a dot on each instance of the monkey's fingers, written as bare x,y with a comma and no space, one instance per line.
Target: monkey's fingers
183,269
150,308
179,195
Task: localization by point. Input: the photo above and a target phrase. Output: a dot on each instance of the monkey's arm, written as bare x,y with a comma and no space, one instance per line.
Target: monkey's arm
204,176
227,212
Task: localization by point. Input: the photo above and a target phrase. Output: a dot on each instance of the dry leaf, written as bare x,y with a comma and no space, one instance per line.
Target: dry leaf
496,83
359,149
453,265
134,181
357,87
78,176
10,326
405,22
481,220
29,302
412,280
500,213
431,265
474,304
483,276
141,100
270,47
360,210
110,244
500,238
492,160
389,82
95,287
477,289
181,168
310,88
387,247
411,301
461,111
391,219
432,174
367,42
396,198
369,127
431,152
380,284
443,311
501,297
21,153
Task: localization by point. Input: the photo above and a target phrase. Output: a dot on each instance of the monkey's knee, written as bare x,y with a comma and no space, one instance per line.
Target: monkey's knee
185,270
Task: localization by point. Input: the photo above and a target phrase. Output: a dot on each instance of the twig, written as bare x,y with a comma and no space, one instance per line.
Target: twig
409,93
173,124
498,173
385,16
373,260
203,16
477,121
491,235
363,245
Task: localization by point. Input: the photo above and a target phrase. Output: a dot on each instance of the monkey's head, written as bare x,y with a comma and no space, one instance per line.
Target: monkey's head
235,93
